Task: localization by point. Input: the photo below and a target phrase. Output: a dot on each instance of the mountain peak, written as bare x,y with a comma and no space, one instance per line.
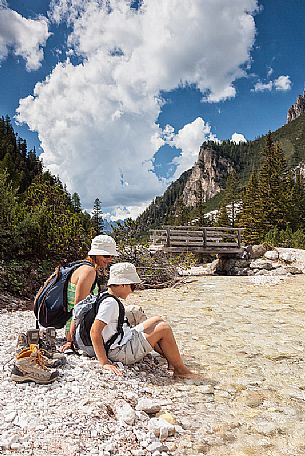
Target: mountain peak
297,108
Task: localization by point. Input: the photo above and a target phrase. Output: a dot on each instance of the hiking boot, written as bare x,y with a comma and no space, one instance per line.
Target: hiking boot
25,340
30,367
48,344
32,338
22,342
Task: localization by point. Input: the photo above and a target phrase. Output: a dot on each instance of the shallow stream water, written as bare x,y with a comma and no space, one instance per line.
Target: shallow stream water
247,336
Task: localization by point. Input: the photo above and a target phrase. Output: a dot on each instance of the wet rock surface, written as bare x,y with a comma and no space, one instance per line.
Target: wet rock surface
245,334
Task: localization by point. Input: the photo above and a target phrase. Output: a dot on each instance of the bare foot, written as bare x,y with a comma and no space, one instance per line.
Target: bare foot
189,375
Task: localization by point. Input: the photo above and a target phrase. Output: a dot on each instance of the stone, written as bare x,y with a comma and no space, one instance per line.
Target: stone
161,428
168,417
256,251
279,271
10,417
124,412
287,256
149,406
272,255
261,264
156,446
293,270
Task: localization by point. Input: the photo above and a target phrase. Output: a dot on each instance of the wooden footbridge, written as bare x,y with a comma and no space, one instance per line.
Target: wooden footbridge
209,240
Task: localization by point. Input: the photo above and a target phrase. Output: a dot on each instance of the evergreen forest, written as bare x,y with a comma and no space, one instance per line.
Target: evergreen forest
41,224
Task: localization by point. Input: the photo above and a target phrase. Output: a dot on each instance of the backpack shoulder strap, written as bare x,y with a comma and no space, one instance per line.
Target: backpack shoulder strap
119,331
88,319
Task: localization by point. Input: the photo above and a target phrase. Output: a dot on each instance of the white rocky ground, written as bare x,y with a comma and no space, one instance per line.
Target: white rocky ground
246,334
86,411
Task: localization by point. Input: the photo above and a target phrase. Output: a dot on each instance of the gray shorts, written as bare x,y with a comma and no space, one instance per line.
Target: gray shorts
131,352
134,350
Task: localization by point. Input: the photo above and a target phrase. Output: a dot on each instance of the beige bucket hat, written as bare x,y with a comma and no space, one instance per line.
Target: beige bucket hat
103,245
123,274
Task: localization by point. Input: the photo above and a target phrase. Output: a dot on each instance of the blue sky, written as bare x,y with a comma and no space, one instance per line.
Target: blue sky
132,96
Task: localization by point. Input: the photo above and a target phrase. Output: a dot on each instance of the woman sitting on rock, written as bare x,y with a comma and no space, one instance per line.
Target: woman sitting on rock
134,343
83,279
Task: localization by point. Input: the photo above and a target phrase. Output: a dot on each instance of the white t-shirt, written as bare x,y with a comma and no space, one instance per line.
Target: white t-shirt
108,312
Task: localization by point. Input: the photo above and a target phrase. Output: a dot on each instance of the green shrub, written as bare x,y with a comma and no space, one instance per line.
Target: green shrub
285,238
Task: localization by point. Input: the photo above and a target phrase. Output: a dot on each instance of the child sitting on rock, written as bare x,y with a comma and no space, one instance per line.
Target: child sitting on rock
134,343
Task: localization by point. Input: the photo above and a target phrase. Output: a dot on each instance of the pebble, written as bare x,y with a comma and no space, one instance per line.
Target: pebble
149,406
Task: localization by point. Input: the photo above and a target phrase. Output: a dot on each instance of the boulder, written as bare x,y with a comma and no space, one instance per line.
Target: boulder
272,255
293,270
279,271
256,251
261,263
293,257
287,256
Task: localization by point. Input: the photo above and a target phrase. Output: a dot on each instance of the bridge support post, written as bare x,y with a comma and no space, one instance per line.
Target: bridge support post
204,235
168,242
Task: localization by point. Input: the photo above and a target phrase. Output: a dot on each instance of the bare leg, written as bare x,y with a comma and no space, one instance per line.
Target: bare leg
159,333
158,349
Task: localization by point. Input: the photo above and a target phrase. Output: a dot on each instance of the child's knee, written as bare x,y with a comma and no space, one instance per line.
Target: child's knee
164,326
156,319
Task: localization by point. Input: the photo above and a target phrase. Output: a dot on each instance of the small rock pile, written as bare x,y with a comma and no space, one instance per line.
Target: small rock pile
257,260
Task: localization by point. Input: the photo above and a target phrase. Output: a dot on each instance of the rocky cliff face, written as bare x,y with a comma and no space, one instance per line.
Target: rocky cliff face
206,176
296,109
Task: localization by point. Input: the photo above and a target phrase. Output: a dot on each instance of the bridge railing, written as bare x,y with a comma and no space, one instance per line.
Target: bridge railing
188,238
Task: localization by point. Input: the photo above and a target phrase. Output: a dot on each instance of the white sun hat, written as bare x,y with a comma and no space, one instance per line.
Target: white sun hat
123,274
103,245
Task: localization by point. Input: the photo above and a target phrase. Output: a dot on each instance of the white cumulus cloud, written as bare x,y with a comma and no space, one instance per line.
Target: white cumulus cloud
282,83
238,138
22,37
189,139
263,86
97,120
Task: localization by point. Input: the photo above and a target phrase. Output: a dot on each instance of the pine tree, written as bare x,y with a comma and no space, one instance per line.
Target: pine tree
182,213
75,200
8,211
296,201
222,217
200,206
251,213
273,183
97,216
231,195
